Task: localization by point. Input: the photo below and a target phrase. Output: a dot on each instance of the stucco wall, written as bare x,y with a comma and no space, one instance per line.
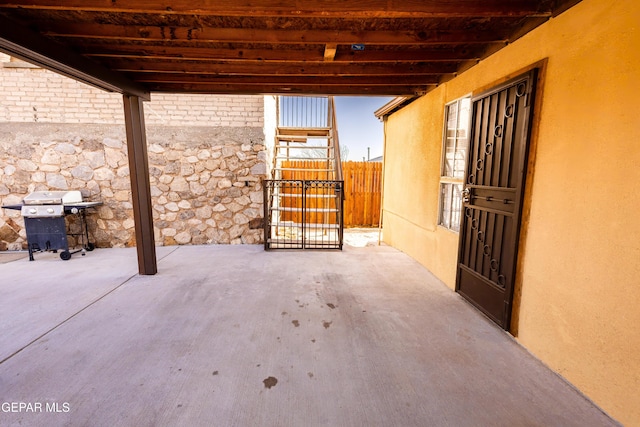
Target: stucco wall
579,271
412,176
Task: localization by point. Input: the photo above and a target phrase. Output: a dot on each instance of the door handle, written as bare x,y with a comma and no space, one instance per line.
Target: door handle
466,195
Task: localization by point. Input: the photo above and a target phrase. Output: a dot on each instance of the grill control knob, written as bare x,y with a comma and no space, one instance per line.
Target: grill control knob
33,211
50,210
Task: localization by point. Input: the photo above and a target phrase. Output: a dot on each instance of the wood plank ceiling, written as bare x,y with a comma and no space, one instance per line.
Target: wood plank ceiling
335,47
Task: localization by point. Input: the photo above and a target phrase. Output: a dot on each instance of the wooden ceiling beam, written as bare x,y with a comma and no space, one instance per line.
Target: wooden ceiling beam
405,47
285,80
271,55
285,69
410,55
386,90
20,42
302,9
253,35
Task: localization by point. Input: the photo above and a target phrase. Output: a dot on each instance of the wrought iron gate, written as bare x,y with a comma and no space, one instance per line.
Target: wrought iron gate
303,214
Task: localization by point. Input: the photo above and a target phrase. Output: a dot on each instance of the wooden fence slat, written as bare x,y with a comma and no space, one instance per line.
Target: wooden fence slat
362,189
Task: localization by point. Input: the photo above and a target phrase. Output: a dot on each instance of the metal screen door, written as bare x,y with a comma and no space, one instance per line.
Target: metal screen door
493,194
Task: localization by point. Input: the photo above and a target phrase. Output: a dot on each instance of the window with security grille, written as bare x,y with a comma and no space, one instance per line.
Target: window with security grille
454,153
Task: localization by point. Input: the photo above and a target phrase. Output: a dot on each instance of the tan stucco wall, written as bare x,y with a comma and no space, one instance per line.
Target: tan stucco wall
579,289
412,176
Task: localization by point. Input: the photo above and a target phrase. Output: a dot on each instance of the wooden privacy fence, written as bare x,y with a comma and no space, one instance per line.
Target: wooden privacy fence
362,188
363,193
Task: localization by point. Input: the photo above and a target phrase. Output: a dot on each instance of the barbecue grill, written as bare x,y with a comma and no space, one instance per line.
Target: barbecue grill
44,221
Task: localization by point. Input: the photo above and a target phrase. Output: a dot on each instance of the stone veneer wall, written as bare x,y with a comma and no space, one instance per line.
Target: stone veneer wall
206,158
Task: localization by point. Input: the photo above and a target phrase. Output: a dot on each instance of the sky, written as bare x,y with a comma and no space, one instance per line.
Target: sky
358,128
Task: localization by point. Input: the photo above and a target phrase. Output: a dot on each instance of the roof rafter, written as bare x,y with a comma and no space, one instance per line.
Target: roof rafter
305,69
391,47
22,43
293,80
301,9
385,90
270,55
256,35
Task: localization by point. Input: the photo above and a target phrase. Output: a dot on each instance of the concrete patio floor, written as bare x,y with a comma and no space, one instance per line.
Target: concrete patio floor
235,336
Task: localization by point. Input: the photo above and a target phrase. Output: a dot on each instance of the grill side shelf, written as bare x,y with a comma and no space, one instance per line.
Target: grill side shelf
82,205
13,207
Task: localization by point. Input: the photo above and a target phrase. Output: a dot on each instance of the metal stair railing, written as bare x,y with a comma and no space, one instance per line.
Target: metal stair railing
337,164
303,211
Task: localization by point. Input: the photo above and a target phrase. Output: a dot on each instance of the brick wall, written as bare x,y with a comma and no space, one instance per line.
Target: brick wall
31,94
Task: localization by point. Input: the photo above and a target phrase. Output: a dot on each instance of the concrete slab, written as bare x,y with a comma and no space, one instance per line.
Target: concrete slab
235,336
361,237
10,256
38,295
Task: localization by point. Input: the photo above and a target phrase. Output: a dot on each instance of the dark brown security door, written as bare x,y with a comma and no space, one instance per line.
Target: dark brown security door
492,197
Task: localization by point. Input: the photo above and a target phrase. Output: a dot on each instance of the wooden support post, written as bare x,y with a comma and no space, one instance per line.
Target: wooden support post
140,186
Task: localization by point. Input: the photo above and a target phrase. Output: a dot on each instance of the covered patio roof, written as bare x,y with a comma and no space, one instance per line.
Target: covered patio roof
373,47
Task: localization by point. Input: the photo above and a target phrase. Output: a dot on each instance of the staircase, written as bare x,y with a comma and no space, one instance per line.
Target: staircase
304,198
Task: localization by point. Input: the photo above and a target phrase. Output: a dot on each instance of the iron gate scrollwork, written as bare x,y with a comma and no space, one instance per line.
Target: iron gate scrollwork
493,196
303,214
